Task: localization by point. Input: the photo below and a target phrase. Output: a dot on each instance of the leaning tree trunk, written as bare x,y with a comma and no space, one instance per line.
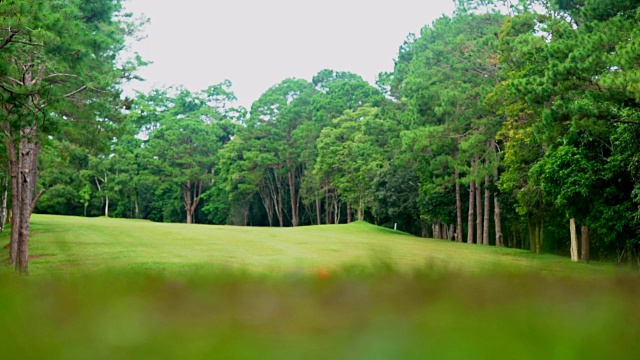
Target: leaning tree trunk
472,197
574,240
478,214
487,209
584,232
458,207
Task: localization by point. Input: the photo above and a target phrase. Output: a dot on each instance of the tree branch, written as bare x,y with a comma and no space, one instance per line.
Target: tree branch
9,39
625,122
75,91
58,75
35,201
27,43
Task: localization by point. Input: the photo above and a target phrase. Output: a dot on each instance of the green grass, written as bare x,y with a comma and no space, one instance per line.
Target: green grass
105,289
71,245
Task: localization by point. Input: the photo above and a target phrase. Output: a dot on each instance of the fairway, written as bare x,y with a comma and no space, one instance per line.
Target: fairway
104,288
70,244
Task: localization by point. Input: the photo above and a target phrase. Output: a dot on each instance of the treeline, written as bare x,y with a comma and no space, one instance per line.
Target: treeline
509,124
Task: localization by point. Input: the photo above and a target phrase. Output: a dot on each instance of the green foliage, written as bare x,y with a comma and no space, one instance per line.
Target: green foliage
538,97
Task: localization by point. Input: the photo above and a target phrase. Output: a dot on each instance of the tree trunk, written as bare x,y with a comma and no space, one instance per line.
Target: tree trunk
186,195
487,209
14,170
348,212
327,210
479,217
532,234
318,208
458,207
336,208
423,229
472,197
360,210
292,194
584,232
3,203
27,178
540,237
264,190
496,203
280,207
574,240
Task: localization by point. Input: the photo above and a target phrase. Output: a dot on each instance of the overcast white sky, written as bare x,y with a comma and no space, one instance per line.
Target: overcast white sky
257,44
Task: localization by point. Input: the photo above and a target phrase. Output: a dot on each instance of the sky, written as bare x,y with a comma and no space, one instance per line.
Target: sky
256,44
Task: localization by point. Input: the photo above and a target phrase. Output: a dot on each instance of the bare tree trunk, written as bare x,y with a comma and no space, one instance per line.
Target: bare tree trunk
267,199
348,212
479,218
280,208
14,170
458,207
574,240
472,197
27,177
540,237
186,196
336,207
292,194
584,232
487,209
496,202
532,235
3,204
318,208
327,209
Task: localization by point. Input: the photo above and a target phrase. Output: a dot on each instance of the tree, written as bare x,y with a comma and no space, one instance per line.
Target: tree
59,62
349,158
182,150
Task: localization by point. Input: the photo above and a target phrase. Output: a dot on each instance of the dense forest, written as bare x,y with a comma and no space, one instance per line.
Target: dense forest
510,124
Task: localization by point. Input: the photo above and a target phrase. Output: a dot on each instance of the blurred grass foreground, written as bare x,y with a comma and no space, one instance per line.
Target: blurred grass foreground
107,289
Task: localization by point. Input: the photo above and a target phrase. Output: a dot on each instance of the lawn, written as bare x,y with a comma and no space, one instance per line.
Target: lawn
73,244
106,288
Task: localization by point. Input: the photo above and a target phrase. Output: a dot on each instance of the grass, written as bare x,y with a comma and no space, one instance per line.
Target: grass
72,245
105,288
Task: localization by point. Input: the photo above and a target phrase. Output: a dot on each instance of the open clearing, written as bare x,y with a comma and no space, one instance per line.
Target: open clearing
73,244
111,289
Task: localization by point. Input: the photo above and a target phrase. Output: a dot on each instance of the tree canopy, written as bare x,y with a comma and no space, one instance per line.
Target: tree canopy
506,124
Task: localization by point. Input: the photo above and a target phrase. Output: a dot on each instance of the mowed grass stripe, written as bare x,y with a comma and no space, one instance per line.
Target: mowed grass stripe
66,244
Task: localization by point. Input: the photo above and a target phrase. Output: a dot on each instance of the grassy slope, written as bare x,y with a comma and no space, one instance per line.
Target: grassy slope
266,313
64,244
